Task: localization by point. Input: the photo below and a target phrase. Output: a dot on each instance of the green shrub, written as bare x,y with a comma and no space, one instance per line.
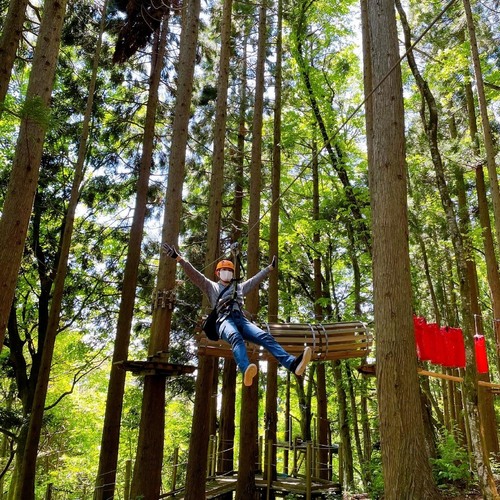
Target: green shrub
451,468
376,485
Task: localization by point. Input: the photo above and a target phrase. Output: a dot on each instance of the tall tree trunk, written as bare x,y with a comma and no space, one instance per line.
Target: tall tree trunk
492,272
198,447
147,471
272,366
325,471
23,180
7,440
288,430
485,397
355,419
488,136
347,465
26,478
321,397
227,414
304,400
367,87
491,262
407,472
9,42
239,153
217,176
461,248
245,489
110,440
39,91
227,429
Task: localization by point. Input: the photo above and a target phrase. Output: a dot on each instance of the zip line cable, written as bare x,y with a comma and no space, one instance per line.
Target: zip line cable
349,118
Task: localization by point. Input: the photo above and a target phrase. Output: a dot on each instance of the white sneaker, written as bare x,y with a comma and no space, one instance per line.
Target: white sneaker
250,373
302,361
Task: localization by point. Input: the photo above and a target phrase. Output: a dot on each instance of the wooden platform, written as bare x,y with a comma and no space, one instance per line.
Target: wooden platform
328,341
284,485
155,367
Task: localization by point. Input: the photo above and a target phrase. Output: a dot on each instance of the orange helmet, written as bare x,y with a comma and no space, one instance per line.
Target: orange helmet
224,264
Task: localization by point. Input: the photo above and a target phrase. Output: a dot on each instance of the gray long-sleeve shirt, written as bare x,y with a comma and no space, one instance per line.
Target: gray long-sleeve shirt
212,289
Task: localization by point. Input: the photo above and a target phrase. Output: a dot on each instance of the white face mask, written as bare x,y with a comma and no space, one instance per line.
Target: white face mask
226,275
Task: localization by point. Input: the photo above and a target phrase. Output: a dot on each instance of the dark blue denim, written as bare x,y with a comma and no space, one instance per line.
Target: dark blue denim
235,329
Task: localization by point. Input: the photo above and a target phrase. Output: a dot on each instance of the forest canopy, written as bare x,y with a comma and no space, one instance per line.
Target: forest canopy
125,124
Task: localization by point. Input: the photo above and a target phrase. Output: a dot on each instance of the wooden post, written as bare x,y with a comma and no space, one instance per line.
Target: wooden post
288,426
209,465
294,469
315,448
48,492
260,454
341,465
128,474
269,468
308,470
176,465
214,455
317,462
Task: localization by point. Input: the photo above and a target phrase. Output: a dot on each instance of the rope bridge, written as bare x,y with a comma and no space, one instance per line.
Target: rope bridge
328,342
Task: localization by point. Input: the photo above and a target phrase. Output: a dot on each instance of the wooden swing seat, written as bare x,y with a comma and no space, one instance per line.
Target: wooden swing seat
328,342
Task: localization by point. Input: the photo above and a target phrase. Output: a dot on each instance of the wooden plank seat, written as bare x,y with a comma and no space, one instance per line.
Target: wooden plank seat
343,340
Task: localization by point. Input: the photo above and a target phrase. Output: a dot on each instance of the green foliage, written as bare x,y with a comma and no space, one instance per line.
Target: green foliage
451,468
71,433
376,486
36,111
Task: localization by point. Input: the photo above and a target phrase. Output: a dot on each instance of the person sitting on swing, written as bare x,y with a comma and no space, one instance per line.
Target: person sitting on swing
232,325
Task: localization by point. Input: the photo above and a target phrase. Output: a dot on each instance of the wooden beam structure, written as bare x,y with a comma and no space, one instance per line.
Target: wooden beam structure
370,370
155,365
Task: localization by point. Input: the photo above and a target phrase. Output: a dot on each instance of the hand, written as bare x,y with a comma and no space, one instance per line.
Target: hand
170,250
272,265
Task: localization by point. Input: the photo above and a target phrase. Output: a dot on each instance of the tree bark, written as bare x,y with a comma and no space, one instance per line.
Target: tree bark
273,295
197,462
28,470
23,180
485,397
245,489
492,272
147,471
217,176
198,449
227,431
9,42
406,468
491,262
227,415
321,393
108,458
347,466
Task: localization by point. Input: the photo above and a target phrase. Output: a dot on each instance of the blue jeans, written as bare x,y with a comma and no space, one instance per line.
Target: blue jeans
235,329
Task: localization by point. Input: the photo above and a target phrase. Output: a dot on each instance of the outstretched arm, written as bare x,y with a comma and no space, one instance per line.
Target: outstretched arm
249,285
201,281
